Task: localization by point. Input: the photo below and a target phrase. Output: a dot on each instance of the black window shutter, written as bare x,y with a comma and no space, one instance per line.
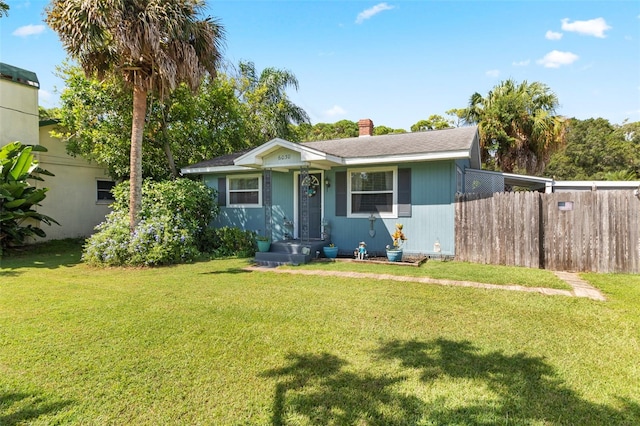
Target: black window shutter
222,191
341,193
404,192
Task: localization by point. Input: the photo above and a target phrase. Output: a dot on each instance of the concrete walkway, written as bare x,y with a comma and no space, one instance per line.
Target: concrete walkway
580,287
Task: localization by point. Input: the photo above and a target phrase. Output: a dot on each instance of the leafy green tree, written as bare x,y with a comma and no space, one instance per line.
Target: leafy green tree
271,112
596,149
458,114
4,8
339,130
182,129
518,126
48,113
434,122
153,45
385,130
328,131
18,198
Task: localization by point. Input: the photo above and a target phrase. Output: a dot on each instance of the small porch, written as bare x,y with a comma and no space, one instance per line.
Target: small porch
291,252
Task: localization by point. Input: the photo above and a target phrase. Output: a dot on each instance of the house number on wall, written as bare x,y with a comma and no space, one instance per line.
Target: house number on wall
282,157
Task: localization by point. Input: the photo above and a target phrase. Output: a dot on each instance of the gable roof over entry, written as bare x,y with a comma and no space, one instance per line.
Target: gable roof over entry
278,154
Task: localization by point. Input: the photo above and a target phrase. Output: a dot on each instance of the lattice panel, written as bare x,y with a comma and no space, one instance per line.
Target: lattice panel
482,183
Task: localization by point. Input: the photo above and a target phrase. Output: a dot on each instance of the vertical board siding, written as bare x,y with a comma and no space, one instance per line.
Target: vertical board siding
601,233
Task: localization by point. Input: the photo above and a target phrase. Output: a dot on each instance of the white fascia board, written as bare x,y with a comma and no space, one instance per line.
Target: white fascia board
408,158
255,155
312,155
598,183
216,169
528,178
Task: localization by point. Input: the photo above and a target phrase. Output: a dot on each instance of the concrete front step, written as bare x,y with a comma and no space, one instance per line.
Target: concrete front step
276,259
297,246
290,252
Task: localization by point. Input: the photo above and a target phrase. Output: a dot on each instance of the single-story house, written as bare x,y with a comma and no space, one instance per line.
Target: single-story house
349,190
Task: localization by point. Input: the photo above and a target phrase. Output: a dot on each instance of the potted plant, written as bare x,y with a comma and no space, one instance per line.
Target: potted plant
330,251
263,243
394,253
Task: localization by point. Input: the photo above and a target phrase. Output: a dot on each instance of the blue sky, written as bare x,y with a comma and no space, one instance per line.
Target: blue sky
397,62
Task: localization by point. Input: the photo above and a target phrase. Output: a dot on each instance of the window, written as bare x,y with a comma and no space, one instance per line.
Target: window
372,191
244,191
104,188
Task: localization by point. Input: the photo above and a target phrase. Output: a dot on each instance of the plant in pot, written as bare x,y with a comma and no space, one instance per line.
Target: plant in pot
394,252
263,243
330,251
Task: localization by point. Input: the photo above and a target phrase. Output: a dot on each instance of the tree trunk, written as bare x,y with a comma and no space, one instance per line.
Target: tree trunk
166,145
172,165
135,172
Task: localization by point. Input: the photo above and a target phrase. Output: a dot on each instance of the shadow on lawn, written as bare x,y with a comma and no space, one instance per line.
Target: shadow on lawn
227,271
521,390
19,408
317,387
10,267
527,389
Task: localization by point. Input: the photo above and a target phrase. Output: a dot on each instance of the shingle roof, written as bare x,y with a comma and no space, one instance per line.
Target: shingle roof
457,139
223,160
19,75
453,141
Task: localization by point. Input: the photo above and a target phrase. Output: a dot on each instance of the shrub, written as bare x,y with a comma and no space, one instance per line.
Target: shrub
233,242
173,221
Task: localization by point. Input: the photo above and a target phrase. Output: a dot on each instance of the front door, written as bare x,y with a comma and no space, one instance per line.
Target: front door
314,198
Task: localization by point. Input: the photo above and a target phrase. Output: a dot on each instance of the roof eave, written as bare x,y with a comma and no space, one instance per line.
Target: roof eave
215,169
408,158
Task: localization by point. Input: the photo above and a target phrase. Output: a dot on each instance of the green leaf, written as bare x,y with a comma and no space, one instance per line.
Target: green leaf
22,165
15,203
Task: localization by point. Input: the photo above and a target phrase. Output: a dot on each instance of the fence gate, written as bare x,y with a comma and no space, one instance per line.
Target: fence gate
576,231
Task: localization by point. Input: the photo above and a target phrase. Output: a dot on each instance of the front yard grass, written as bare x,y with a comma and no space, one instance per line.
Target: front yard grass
210,343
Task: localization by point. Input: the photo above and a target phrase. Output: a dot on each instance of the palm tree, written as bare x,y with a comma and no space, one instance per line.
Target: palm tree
152,44
4,8
268,102
518,126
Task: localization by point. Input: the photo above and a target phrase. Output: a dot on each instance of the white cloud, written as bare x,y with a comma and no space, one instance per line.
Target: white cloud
335,110
493,73
521,63
551,35
28,30
555,59
44,95
366,14
593,27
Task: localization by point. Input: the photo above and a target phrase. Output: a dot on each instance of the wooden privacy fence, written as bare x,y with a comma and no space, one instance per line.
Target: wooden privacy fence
573,231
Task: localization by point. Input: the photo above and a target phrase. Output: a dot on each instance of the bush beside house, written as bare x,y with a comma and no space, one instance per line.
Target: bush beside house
173,226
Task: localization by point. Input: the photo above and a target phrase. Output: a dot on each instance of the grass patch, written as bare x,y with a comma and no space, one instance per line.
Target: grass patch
209,343
459,271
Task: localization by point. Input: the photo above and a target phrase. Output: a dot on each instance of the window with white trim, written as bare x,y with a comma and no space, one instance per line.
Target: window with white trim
244,191
372,191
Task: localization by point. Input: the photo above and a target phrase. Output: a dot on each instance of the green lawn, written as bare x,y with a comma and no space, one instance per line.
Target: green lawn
209,343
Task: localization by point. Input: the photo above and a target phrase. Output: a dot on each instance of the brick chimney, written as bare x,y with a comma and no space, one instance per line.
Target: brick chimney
366,127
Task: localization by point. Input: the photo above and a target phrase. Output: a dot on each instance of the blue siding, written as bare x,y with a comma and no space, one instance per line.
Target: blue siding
253,219
433,187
